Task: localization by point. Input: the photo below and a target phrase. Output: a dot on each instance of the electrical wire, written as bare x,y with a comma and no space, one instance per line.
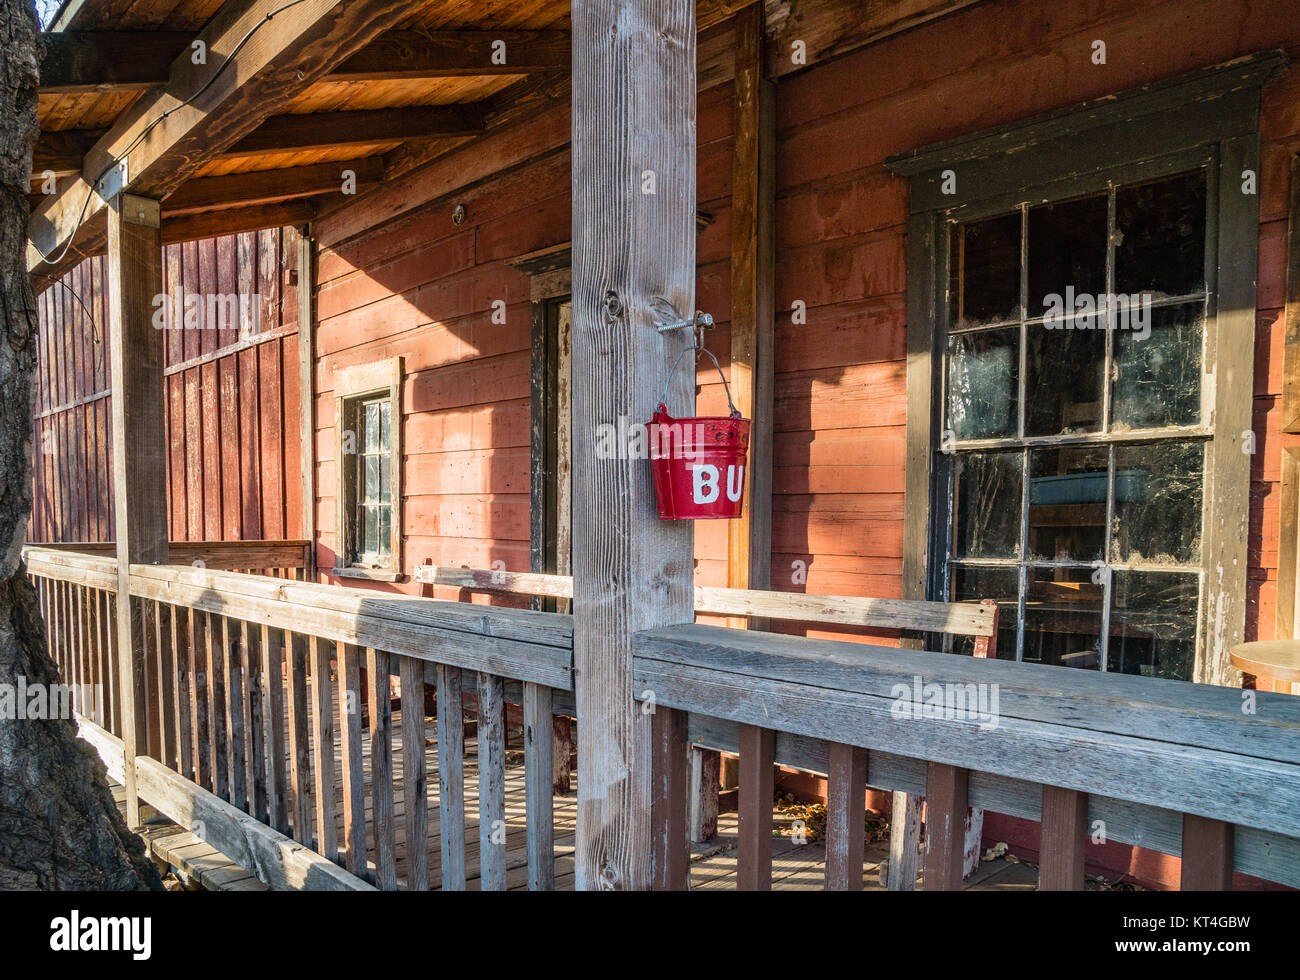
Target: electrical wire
148,129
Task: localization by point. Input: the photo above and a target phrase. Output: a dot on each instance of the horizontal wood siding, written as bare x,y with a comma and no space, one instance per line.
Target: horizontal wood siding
231,393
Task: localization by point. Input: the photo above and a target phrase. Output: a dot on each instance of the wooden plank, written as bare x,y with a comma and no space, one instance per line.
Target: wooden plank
451,778
304,258
1207,854
945,814
299,132
703,782
231,221
299,754
1064,833
629,569
139,480
270,186
216,650
236,758
181,687
411,54
322,743
250,665
381,768
757,777
539,781
273,725
845,817
668,841
354,789
104,61
199,702
491,782
281,58
414,776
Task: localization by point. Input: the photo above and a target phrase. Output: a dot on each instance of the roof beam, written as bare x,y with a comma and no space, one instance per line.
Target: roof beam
104,61
62,151
269,186
163,141
293,133
229,221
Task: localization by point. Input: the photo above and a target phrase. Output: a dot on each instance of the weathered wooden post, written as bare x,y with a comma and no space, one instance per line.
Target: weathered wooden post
633,242
139,477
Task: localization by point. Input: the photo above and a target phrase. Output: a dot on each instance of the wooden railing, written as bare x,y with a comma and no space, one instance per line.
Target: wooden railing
253,699
283,559
1176,767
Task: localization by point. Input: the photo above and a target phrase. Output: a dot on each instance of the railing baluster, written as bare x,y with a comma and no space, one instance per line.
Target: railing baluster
1064,832
217,705
1207,854
846,787
491,782
198,628
754,856
149,709
234,681
669,847
322,718
250,661
381,767
354,791
538,787
273,709
945,827
182,682
299,755
451,777
166,687
414,778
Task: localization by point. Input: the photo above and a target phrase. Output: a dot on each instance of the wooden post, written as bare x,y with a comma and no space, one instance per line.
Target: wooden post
1065,829
633,146
1207,854
139,474
306,286
945,814
754,817
846,805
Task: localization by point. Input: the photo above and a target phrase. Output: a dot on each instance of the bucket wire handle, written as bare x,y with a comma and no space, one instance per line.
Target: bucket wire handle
673,370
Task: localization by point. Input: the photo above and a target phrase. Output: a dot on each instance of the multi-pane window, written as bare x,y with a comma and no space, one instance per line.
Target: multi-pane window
1076,419
374,485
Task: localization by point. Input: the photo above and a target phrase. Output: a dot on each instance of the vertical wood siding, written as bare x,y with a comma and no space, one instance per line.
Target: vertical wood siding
231,392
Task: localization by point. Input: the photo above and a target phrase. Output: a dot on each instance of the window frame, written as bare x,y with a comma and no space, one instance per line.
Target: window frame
1207,118
355,387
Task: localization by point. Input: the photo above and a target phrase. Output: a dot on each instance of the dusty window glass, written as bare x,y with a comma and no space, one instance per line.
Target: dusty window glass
986,270
1067,503
1065,372
975,583
983,383
987,505
1159,489
1066,251
374,482
1063,618
1158,370
1160,237
1153,624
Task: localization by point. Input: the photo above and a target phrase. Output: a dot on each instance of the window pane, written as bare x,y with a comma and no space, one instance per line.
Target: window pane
372,427
984,384
385,531
986,270
1158,373
1158,492
385,410
385,480
370,534
1067,503
1065,368
1153,624
1160,237
1067,250
987,488
1063,618
370,490
977,583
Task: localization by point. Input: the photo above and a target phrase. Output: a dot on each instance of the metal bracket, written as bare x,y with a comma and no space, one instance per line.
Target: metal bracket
667,318
113,182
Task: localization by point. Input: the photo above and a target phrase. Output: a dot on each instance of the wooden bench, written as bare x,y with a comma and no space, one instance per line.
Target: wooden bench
950,619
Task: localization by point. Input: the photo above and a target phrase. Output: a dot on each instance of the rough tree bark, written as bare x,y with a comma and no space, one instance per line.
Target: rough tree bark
59,826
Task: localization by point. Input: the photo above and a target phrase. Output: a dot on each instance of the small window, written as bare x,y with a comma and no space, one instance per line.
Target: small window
369,467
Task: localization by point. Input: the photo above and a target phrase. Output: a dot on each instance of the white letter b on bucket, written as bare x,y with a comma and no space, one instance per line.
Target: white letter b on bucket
704,479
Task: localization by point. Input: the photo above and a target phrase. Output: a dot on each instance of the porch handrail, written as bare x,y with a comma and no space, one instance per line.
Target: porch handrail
294,553
1144,750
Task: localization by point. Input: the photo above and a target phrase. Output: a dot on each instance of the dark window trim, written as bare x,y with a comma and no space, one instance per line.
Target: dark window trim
1211,114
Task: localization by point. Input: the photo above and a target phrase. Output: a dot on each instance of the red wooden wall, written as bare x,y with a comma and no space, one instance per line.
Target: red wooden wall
231,394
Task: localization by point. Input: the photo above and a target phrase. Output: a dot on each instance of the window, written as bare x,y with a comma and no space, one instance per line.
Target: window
368,413
1081,322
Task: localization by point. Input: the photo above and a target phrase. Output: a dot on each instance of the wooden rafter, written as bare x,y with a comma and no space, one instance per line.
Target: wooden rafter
165,141
269,186
293,133
104,61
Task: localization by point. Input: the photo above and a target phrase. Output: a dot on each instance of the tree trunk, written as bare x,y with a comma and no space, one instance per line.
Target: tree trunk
59,826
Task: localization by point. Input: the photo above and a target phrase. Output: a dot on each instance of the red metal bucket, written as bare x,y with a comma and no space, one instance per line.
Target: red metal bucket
698,465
